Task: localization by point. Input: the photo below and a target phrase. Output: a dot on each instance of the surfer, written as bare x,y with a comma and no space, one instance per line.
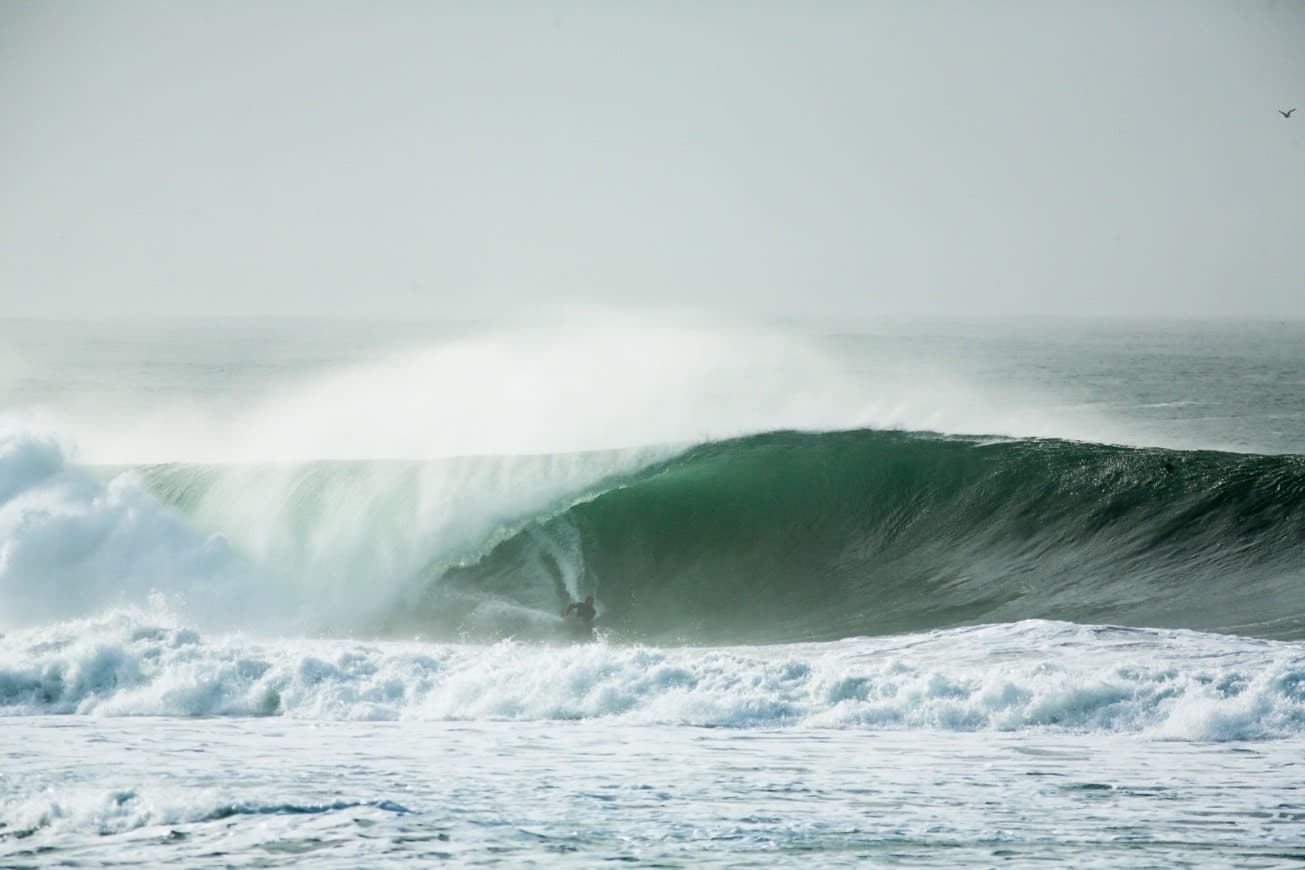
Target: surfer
583,610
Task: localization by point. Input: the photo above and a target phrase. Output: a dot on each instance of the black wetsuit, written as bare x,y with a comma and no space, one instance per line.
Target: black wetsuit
583,610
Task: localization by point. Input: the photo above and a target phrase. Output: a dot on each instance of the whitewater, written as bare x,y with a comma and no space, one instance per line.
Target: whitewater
932,593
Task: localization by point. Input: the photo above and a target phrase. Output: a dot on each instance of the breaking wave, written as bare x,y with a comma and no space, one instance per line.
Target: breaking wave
793,536
773,538
1021,676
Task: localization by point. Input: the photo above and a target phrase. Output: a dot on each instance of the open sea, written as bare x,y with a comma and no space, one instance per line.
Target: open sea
928,593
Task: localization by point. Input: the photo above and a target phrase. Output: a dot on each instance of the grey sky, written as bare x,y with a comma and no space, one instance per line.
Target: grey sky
438,159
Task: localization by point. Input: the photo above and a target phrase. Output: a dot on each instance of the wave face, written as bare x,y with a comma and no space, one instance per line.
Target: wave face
790,536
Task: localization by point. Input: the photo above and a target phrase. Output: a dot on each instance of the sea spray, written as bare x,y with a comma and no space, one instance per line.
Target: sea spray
593,382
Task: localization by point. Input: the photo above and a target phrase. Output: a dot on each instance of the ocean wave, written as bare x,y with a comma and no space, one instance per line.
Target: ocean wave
296,548
1030,675
794,536
771,538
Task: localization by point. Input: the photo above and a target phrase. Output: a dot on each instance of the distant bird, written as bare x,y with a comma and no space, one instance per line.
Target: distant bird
1286,114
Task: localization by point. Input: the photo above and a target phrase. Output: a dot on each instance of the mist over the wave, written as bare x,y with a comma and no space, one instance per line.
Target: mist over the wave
596,382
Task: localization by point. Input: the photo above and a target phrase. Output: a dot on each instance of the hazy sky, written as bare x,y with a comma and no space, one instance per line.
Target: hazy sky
433,159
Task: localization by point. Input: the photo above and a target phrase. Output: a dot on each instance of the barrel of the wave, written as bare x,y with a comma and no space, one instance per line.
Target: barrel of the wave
790,537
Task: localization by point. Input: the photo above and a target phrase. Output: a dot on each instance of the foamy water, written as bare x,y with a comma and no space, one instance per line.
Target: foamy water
1033,676
275,791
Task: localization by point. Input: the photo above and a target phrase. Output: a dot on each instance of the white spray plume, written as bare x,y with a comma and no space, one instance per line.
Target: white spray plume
596,382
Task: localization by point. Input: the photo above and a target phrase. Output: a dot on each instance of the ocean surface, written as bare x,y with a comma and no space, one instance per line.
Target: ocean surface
931,593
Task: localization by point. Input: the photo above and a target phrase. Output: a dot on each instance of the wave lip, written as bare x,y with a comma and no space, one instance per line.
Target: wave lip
1032,675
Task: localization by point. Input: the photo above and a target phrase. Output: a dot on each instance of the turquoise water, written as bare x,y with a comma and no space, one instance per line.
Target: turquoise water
921,593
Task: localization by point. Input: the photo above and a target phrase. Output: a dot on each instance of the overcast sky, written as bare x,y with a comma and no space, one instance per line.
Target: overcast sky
435,159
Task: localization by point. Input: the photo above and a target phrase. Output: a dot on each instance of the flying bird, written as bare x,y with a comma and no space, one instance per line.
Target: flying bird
1286,114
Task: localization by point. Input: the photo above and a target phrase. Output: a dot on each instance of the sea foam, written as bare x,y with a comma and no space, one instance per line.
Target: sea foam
1033,675
71,544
